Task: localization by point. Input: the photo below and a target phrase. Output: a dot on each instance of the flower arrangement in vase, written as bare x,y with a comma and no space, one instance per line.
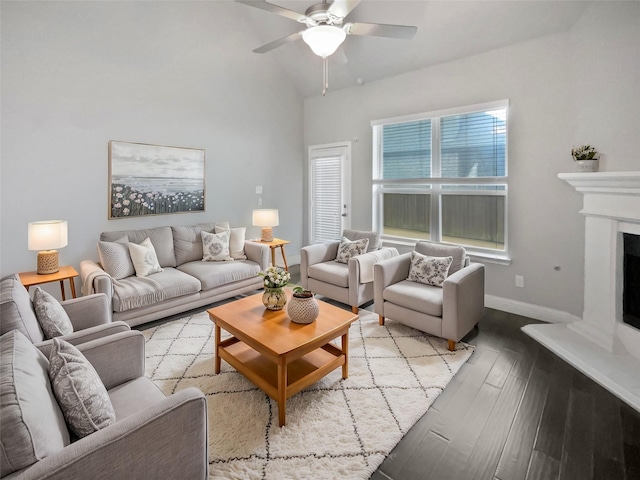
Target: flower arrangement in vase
586,158
275,279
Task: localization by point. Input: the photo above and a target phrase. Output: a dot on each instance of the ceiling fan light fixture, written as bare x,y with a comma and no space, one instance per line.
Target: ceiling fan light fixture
324,40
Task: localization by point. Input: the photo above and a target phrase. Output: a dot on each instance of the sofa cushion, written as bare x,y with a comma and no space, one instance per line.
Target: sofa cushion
32,423
187,241
374,238
144,258
351,248
215,246
415,296
429,270
80,393
136,292
115,258
236,241
439,250
335,273
214,274
161,238
53,319
131,397
16,310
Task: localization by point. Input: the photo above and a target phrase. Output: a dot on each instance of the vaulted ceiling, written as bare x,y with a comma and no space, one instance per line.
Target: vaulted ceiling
447,30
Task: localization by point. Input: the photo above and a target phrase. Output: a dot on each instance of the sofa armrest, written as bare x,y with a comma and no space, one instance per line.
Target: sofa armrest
96,280
86,335
258,253
386,273
167,439
463,301
316,253
89,311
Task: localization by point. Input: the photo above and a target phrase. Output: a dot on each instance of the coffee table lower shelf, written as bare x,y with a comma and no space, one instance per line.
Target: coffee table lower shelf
264,372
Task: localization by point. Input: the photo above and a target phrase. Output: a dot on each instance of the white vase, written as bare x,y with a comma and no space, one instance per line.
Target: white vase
587,165
303,310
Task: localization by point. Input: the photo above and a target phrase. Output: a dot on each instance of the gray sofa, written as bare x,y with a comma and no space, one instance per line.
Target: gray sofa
186,281
153,436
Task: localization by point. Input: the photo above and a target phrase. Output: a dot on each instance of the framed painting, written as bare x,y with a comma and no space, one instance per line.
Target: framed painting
154,179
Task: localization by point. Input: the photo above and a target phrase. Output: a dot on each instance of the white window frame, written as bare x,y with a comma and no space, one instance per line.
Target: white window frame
433,185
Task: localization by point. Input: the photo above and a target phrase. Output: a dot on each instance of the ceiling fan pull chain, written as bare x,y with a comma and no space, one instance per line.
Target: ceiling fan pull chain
325,76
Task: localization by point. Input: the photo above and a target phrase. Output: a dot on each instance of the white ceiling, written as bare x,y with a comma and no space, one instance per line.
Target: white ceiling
447,30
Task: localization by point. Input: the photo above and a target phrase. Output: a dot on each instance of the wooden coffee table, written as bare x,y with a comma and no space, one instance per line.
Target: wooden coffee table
277,355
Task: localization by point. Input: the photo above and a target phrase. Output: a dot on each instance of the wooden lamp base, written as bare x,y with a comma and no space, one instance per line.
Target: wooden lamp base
267,234
48,262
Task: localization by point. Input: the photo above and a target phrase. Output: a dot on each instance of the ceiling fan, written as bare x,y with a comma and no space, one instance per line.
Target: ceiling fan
326,29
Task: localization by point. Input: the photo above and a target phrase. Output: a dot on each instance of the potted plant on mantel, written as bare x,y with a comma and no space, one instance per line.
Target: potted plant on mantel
303,307
586,158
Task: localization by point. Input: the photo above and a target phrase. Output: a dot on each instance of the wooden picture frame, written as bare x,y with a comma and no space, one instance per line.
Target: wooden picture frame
149,179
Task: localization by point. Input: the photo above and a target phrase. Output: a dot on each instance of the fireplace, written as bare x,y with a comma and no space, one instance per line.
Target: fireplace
605,343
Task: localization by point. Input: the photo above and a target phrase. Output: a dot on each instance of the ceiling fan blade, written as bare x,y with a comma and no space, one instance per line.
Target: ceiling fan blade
277,43
341,8
381,30
270,7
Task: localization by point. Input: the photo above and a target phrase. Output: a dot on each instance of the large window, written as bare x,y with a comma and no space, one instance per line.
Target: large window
442,176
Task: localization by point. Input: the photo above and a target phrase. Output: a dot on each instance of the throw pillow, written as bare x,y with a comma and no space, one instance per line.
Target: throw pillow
53,319
348,249
115,258
236,241
144,257
429,270
215,246
81,394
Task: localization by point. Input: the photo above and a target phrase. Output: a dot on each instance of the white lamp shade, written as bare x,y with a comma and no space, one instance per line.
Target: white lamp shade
47,235
266,217
324,40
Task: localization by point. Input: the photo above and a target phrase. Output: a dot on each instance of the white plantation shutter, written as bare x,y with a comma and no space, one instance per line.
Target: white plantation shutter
326,195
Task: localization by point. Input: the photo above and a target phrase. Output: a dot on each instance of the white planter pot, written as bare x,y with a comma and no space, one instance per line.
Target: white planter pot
587,165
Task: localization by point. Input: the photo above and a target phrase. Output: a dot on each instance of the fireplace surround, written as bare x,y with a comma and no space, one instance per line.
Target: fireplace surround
601,344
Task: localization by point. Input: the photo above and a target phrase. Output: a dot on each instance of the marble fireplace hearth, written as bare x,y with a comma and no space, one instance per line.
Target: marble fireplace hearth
601,345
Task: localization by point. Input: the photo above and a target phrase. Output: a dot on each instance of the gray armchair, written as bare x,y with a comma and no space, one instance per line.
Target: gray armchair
450,311
90,315
350,283
153,437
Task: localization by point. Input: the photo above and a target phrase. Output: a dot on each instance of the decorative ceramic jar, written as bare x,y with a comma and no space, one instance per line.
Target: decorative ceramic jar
303,308
587,165
274,298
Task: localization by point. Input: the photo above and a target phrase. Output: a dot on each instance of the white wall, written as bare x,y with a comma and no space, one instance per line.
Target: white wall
78,74
554,105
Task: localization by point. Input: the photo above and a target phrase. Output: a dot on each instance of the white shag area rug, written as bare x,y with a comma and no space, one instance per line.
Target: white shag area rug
336,429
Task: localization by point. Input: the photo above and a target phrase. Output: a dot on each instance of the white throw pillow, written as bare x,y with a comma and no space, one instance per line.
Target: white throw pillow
144,257
53,319
429,270
236,241
82,396
348,249
215,246
115,258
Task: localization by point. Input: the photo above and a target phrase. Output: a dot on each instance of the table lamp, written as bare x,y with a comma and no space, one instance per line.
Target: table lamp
46,236
266,218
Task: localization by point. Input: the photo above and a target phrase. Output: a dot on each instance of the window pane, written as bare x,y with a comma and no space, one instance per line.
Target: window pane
406,150
406,215
473,220
474,145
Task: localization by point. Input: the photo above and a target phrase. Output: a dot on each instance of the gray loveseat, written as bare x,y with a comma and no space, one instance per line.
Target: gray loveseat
186,281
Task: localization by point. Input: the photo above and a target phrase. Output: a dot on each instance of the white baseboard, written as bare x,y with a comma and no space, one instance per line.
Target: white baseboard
536,312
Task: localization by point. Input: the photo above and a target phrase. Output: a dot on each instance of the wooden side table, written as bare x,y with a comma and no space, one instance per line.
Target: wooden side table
65,273
275,243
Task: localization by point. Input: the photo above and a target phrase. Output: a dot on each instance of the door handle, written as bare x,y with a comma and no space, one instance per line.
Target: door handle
344,214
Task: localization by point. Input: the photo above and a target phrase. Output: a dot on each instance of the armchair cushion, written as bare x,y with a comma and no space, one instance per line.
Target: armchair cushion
80,393
32,423
349,248
429,270
440,250
16,310
53,319
415,296
334,273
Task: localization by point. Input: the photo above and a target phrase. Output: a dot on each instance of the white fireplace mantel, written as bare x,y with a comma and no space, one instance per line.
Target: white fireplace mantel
600,344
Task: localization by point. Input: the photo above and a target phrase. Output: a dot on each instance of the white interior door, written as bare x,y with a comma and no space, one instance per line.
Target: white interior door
329,191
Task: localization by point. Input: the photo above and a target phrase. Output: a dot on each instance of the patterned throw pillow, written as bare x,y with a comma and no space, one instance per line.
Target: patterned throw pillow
429,270
144,257
80,393
236,241
115,258
215,246
348,249
53,319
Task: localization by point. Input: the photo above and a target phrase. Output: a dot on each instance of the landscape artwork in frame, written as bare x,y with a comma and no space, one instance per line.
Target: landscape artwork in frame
154,179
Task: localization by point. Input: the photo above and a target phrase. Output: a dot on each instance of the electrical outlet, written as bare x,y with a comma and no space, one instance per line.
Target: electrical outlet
259,190
259,201
520,281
